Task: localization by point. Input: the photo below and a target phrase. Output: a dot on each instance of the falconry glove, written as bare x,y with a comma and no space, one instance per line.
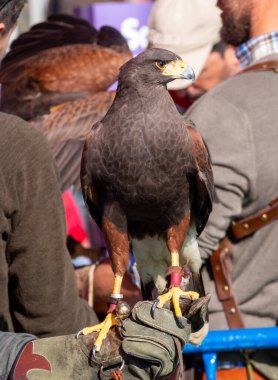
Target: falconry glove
149,345
144,348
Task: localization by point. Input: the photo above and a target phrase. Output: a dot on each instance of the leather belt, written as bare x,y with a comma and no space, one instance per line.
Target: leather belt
220,259
247,226
220,265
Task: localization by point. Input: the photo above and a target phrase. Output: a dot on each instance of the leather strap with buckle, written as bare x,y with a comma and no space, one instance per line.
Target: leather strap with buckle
248,226
220,259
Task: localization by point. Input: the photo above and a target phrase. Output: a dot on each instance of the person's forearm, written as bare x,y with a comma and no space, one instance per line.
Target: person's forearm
10,346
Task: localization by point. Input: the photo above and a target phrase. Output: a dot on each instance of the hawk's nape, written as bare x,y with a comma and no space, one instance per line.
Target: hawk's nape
146,178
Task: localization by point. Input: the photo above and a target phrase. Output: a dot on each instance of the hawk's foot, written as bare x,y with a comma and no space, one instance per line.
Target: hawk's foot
116,313
174,294
102,328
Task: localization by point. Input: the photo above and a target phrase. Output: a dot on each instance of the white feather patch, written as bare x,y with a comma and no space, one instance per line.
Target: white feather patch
190,250
192,256
153,258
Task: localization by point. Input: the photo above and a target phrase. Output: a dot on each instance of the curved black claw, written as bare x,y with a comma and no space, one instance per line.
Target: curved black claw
180,322
94,351
78,334
154,306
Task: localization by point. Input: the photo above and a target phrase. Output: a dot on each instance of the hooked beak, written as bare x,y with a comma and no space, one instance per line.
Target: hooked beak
179,70
188,73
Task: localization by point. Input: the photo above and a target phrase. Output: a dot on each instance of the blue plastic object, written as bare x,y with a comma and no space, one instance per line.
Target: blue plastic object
210,364
231,340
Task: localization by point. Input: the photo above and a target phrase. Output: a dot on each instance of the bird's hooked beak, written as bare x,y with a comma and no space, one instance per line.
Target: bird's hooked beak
178,69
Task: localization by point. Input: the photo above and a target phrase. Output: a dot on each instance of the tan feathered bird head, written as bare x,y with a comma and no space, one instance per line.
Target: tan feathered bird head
62,59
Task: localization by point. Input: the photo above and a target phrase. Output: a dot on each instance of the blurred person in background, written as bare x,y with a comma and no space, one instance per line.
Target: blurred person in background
220,65
33,253
192,30
237,120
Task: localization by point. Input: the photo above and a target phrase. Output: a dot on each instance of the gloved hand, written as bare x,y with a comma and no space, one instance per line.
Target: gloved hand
144,348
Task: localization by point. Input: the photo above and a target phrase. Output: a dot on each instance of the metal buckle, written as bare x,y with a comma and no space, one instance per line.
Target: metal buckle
103,369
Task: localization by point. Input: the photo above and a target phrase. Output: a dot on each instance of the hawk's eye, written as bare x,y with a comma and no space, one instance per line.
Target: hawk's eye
161,64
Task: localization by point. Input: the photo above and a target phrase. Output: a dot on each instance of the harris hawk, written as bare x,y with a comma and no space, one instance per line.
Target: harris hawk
146,178
56,76
59,60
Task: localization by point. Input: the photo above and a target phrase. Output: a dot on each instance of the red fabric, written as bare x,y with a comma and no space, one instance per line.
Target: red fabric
181,100
28,361
75,227
176,279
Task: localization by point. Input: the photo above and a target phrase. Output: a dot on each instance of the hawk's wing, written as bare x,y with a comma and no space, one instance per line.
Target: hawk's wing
66,128
90,191
202,204
205,192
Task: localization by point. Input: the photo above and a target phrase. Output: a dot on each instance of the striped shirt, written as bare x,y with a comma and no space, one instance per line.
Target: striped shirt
257,48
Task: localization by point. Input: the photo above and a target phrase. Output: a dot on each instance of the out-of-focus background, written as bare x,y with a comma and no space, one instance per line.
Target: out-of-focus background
130,17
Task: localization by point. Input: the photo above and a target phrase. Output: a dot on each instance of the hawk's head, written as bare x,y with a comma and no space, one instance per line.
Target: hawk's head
155,66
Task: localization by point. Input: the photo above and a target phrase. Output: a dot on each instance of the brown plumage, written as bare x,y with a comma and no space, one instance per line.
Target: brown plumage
59,60
146,177
66,128
55,76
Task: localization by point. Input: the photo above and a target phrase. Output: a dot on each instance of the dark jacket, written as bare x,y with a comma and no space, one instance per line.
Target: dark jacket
38,294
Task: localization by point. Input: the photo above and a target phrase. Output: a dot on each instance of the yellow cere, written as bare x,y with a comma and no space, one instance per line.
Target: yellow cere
174,68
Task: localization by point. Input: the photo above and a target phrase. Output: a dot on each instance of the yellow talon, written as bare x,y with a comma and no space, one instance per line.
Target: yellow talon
175,293
91,329
103,329
190,294
109,321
